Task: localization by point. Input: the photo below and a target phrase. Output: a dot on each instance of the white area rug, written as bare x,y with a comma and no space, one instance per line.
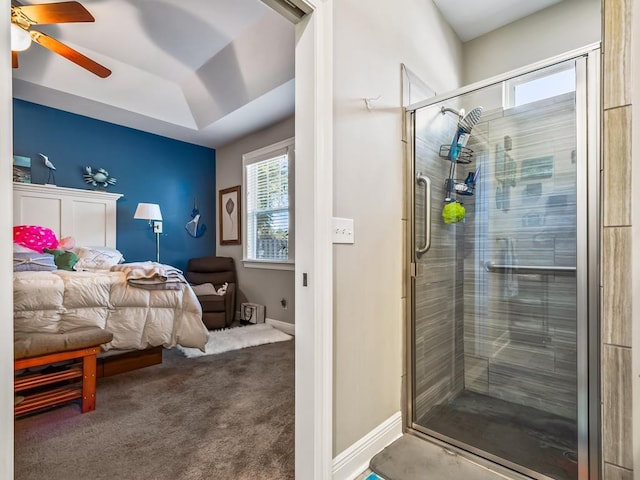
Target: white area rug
237,338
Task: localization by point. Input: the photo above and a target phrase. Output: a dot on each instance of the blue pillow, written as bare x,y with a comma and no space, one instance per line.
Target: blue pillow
33,262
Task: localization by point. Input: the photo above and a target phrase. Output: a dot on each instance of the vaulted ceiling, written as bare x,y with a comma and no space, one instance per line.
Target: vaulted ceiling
471,19
201,71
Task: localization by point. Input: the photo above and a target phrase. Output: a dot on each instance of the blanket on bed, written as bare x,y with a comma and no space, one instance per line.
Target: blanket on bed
139,318
151,275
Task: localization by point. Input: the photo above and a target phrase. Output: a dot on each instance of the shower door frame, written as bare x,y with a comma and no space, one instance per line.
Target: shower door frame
588,164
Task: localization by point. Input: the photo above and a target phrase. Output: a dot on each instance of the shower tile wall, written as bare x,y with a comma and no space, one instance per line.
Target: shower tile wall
438,350
520,330
617,296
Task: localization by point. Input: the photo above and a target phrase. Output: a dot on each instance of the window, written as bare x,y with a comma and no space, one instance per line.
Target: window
546,83
269,206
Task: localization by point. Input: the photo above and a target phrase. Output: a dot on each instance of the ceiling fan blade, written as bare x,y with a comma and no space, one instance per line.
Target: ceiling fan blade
14,59
69,53
62,12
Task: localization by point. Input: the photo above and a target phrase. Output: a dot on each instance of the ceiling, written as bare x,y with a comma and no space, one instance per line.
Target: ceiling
195,70
202,71
471,19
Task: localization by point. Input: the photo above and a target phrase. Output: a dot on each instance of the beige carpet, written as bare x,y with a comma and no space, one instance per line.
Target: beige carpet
226,416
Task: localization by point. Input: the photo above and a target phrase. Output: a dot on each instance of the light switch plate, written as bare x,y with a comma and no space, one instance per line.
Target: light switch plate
342,230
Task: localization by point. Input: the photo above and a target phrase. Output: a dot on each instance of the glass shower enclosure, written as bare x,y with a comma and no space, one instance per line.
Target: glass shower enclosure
503,270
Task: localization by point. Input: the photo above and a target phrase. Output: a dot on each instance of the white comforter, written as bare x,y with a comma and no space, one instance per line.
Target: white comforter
138,318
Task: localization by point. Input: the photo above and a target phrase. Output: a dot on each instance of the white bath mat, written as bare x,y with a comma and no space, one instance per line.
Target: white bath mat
236,338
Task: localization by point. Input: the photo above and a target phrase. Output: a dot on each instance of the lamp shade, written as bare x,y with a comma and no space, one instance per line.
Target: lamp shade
148,211
20,38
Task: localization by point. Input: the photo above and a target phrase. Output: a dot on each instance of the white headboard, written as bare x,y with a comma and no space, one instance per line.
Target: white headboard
87,216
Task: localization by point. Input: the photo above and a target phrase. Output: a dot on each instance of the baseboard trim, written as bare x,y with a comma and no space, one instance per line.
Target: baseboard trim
353,461
285,327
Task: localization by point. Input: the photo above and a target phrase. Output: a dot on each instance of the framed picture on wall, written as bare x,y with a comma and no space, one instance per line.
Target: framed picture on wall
229,211
21,169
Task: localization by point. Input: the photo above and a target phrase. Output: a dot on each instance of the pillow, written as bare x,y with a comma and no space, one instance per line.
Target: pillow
33,262
67,243
209,289
64,260
97,258
34,237
17,248
204,289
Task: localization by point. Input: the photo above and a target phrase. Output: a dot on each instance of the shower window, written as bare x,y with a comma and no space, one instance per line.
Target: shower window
547,83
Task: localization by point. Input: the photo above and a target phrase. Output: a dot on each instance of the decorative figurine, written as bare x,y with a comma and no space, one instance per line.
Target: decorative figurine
99,178
51,179
194,228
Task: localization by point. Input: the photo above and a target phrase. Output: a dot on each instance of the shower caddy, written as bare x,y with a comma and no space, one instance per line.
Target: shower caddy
458,152
460,186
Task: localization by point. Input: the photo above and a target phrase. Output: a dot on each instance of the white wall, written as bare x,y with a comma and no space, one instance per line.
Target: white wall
560,28
371,40
6,239
255,285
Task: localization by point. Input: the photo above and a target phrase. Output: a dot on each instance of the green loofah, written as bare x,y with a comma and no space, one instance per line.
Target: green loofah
453,212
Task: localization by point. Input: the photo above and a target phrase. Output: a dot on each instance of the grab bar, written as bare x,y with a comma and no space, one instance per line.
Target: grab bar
427,213
539,269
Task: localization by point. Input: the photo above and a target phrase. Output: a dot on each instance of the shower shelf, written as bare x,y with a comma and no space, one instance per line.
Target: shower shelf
465,156
460,187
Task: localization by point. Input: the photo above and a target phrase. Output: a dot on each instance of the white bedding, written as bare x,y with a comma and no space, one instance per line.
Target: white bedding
139,318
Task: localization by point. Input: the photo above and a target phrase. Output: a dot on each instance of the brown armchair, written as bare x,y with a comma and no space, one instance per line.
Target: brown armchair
217,311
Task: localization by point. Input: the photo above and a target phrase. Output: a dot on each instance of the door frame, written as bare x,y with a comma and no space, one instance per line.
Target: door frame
314,249
6,241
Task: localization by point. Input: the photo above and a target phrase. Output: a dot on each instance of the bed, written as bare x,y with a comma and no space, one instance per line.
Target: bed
160,310
139,318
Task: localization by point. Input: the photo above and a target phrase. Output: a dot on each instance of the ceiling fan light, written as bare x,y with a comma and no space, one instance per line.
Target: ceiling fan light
20,38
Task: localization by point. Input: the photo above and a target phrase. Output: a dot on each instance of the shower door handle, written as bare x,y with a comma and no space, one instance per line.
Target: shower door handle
427,213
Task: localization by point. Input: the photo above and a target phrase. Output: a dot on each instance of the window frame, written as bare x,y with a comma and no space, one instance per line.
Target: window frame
271,151
509,86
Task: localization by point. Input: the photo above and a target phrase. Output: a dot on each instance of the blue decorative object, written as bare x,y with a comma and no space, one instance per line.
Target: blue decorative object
373,476
99,178
193,227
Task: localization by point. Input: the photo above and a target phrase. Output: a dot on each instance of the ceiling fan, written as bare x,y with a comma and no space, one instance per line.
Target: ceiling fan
23,17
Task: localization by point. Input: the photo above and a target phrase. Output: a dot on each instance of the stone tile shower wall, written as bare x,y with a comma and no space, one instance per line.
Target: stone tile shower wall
520,330
466,323
438,350
616,294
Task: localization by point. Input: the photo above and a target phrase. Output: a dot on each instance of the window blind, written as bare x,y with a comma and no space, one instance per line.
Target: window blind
267,196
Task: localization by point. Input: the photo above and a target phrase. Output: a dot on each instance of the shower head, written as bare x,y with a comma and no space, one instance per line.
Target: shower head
458,113
468,121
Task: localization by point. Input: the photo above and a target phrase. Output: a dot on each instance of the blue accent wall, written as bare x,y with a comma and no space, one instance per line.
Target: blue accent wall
148,168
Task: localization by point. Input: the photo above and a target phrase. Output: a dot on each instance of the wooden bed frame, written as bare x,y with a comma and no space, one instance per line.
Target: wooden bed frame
114,362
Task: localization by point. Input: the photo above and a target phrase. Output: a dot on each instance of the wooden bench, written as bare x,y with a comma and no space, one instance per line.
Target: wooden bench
54,386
